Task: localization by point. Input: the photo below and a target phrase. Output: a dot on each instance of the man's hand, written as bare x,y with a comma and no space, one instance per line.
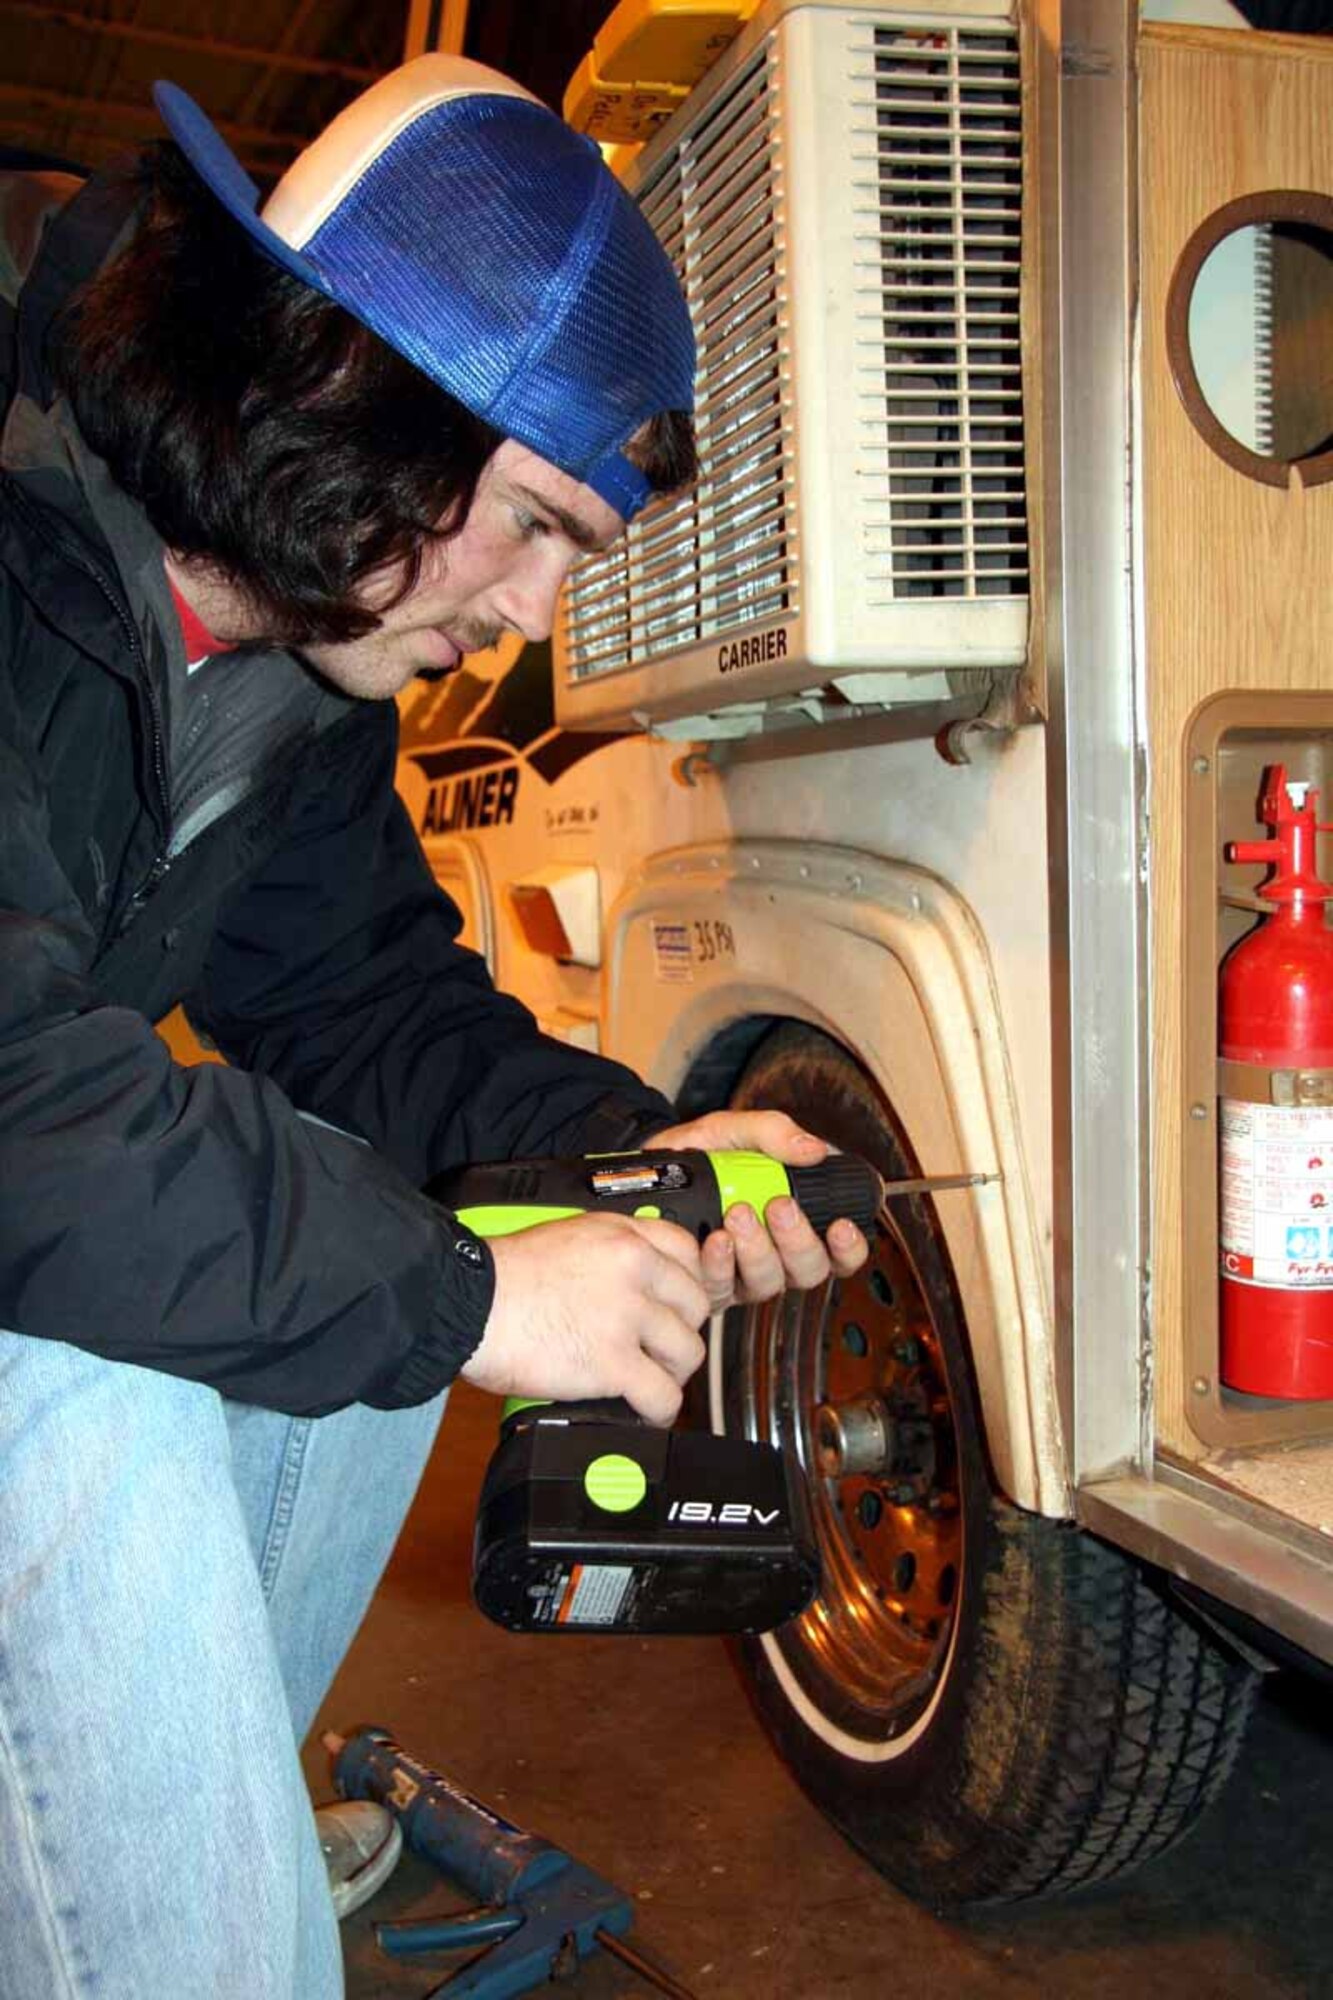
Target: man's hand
612,1305
596,1305
743,1260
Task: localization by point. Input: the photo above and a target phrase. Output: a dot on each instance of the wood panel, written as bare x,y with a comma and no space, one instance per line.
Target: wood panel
1237,575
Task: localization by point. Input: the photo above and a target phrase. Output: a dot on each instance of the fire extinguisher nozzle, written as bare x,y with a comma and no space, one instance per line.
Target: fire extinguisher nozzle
1254,850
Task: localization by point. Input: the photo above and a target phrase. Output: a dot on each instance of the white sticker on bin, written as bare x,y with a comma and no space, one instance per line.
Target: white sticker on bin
1277,1195
672,958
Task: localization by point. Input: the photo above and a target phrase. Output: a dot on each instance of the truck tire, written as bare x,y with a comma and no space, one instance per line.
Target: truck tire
989,1704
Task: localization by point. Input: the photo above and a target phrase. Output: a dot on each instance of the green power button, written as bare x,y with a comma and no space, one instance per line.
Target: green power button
615,1483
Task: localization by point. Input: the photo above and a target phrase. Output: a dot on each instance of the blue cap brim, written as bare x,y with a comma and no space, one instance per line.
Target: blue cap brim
220,171
613,476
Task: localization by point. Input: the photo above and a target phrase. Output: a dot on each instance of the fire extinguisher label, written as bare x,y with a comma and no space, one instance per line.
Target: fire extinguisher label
1277,1195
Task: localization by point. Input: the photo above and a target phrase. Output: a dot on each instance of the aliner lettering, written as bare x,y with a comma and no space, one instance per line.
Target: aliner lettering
754,651
480,798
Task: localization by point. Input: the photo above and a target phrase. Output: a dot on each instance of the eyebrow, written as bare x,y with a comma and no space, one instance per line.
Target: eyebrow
578,531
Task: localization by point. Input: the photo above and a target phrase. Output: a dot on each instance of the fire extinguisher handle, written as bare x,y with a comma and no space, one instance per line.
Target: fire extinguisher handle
1254,850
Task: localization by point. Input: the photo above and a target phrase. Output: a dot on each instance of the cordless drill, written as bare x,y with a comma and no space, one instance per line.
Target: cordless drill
589,1519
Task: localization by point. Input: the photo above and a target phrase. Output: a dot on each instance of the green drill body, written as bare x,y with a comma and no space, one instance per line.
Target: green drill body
690,1187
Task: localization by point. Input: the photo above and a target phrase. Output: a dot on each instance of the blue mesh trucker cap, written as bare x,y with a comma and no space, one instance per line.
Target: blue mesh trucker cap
454,214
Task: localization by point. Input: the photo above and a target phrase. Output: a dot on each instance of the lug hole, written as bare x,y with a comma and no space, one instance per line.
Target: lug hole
870,1509
947,1584
854,1340
904,1571
880,1289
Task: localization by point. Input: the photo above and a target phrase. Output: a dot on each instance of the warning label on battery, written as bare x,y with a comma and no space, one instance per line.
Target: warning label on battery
1277,1195
595,1594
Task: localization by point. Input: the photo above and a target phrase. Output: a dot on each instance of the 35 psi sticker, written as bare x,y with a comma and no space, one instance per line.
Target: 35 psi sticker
681,946
711,938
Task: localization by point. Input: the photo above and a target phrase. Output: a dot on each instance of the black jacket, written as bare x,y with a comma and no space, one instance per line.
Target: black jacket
183,1218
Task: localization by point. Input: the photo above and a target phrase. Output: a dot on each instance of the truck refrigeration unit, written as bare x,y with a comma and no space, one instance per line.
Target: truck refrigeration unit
927,770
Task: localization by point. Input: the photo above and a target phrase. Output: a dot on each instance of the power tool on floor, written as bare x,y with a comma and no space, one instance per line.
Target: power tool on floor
591,1520
541,1912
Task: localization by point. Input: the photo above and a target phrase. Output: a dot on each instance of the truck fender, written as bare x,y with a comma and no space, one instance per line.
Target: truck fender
888,959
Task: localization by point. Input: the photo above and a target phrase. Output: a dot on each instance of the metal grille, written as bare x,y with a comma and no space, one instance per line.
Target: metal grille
937,114
723,555
1263,339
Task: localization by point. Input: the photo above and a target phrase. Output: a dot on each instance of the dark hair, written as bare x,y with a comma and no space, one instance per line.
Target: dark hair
257,423
664,451
263,428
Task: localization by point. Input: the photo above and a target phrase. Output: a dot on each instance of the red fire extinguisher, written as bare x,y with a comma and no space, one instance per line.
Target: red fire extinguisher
1276,1014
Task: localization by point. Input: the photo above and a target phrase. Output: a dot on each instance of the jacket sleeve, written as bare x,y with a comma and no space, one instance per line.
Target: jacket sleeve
338,972
188,1219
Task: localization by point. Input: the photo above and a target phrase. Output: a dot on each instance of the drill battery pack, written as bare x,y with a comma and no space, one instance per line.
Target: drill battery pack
593,1522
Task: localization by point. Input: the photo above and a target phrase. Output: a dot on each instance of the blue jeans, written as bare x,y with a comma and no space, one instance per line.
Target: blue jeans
179,1579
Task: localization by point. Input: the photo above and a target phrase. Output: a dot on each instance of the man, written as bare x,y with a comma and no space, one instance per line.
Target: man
258,472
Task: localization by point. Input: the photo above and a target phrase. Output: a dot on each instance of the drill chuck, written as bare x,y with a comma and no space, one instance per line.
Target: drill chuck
841,1185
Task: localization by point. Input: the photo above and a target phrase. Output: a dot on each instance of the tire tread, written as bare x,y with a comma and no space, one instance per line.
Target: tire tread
1147,1717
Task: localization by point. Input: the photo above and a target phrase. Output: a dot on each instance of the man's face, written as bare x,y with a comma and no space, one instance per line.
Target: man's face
500,573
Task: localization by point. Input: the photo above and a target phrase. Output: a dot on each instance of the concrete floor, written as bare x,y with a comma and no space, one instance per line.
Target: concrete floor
644,1760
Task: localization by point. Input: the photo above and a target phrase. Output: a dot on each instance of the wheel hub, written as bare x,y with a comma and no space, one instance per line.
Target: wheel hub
868,1435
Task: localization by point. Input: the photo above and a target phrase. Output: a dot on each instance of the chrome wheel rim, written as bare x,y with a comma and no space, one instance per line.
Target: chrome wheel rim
871,1649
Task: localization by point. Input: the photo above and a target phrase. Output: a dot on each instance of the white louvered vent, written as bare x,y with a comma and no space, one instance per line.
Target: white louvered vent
722,555
938,118
842,199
